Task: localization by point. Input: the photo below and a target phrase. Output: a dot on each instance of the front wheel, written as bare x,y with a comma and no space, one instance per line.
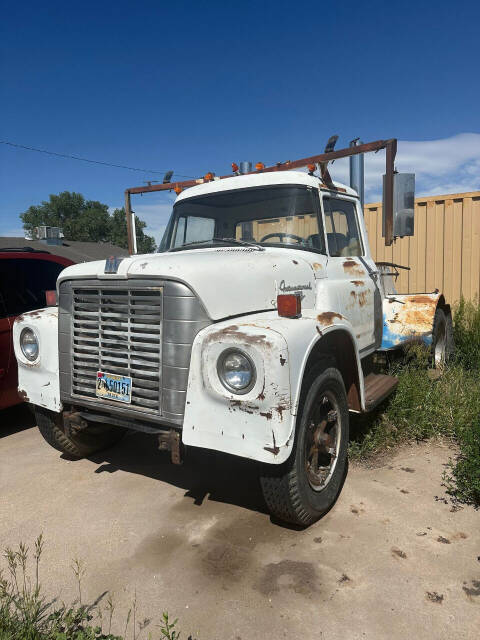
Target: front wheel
76,444
305,487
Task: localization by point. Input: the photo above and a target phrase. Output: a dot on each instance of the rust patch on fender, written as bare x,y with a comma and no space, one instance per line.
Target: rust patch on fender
353,268
317,266
415,315
266,414
275,450
357,283
23,395
422,299
327,317
234,331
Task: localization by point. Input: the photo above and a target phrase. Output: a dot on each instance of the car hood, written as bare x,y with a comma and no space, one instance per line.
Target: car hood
229,281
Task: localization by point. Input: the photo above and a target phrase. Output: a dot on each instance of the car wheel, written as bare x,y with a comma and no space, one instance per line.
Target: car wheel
76,444
305,487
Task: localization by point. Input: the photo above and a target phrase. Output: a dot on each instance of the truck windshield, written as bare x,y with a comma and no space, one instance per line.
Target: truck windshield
278,216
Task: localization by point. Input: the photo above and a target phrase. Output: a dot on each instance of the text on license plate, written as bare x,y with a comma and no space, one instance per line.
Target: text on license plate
111,386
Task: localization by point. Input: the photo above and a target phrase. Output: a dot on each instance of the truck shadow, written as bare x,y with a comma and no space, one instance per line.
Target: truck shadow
16,419
205,474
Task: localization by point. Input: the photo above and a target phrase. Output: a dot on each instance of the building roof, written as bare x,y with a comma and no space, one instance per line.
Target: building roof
71,249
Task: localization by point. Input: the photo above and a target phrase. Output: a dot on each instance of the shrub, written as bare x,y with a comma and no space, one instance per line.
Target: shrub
427,405
466,331
26,614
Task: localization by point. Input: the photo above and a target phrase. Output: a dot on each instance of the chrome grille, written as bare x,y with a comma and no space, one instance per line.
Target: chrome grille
118,331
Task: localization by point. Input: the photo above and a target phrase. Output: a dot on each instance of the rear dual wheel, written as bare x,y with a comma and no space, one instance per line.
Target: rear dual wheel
442,338
75,444
306,486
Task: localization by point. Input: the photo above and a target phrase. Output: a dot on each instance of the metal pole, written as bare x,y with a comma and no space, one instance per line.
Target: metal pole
128,215
357,171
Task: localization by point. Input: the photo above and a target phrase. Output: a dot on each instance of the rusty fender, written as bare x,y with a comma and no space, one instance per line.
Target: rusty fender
260,424
408,318
38,381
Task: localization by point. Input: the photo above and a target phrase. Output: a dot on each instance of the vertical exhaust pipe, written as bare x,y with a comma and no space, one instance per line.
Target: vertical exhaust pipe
357,171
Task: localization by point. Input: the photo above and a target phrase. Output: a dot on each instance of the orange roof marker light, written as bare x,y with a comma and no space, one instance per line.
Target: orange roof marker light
311,168
234,167
259,166
208,176
178,190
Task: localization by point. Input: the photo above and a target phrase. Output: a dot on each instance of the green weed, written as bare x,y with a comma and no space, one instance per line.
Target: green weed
429,404
26,614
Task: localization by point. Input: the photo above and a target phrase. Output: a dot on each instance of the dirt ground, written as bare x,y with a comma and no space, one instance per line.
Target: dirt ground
393,559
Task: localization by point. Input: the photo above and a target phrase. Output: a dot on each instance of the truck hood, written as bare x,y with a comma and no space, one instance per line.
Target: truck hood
229,281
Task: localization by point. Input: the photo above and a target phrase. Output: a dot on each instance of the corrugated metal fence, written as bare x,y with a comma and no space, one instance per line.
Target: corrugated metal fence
443,254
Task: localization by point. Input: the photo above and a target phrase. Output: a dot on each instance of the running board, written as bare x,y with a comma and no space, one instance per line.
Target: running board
377,387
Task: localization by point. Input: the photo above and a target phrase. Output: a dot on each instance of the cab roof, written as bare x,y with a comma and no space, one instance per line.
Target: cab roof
260,180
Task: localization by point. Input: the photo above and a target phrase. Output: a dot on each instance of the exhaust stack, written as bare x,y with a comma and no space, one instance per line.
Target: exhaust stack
357,171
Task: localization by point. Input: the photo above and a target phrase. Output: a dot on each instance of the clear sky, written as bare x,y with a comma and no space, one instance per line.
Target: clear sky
193,86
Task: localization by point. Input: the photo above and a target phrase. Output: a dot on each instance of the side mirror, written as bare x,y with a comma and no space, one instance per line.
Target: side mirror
403,205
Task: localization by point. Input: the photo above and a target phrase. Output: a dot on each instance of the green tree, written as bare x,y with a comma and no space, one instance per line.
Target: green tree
145,244
85,220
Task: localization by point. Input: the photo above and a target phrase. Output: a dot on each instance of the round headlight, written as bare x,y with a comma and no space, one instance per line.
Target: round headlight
236,371
29,344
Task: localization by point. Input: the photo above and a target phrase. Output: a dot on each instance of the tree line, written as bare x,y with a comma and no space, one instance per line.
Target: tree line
85,220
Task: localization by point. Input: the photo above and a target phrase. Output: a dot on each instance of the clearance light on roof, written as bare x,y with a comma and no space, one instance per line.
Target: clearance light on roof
234,167
259,166
177,189
208,176
311,169
289,305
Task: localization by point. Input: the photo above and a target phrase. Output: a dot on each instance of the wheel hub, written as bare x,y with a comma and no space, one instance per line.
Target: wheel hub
322,442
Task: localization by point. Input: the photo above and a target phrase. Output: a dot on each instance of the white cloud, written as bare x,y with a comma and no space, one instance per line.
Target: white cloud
447,165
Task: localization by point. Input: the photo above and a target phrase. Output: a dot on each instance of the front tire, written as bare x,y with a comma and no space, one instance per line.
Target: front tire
306,486
75,445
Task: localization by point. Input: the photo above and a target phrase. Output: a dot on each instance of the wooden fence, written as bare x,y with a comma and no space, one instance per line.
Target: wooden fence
443,254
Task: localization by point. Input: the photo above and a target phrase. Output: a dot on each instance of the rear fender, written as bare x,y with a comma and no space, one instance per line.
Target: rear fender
409,318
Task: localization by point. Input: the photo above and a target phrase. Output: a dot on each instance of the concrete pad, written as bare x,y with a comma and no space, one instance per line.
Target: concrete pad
392,559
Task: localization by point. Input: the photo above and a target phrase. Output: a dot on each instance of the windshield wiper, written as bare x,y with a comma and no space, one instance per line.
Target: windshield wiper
246,243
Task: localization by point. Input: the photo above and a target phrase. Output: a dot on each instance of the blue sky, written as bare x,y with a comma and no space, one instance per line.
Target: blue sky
194,86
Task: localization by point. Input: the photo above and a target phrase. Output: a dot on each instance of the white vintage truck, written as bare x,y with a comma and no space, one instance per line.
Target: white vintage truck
251,332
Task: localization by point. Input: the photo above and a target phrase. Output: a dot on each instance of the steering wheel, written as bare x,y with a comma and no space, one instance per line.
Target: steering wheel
280,235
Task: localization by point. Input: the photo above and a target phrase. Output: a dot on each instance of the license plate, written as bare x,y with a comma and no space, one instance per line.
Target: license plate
114,387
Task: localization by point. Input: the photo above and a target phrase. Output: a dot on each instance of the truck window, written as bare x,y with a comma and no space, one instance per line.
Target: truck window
24,282
341,225
194,229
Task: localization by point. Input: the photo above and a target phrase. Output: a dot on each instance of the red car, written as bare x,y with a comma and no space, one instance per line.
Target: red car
25,275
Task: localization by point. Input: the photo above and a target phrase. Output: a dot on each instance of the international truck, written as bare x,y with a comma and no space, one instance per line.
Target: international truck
254,330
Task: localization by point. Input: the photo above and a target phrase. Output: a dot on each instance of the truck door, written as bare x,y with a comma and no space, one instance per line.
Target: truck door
351,271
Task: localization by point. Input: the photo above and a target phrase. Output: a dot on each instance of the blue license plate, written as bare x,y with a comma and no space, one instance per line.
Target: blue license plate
111,386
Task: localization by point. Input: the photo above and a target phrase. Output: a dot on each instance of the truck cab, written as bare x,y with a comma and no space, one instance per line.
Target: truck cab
250,332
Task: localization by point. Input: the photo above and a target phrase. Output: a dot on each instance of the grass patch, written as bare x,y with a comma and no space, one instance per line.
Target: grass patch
26,613
426,406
